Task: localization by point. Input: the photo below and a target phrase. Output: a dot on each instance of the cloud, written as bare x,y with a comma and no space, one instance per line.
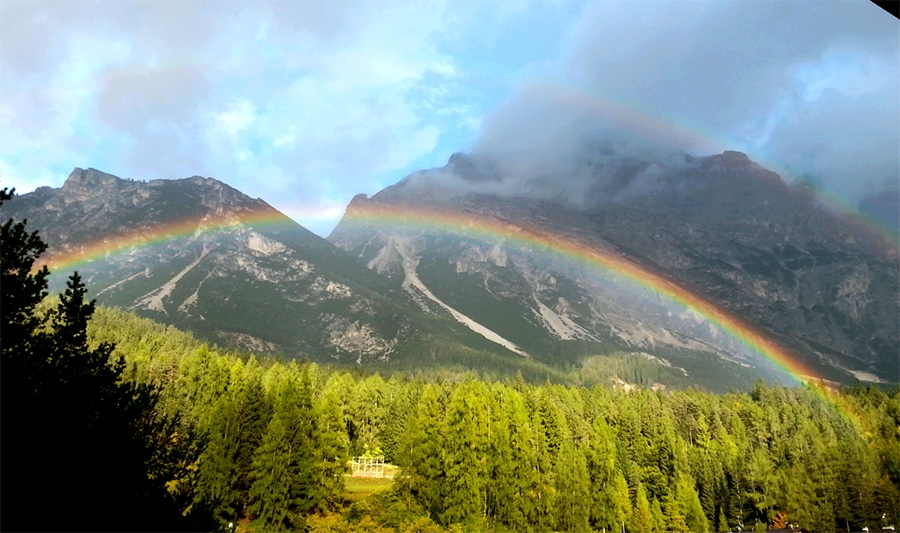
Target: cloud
306,102
810,90
303,100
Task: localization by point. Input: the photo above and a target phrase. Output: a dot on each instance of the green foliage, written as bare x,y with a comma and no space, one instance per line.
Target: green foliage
421,453
573,494
505,456
467,459
611,506
641,519
287,465
514,480
689,505
334,446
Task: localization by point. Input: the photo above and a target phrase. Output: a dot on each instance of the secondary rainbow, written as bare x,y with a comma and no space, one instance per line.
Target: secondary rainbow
680,133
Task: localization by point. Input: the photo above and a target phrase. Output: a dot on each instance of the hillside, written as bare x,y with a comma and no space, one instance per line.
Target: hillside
203,256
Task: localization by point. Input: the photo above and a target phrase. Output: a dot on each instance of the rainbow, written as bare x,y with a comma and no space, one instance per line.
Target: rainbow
72,259
376,215
647,123
491,228
487,228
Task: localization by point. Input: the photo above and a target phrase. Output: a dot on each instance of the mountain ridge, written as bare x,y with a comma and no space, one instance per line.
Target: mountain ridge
239,272
377,294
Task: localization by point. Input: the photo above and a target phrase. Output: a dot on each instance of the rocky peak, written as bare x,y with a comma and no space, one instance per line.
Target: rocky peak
735,158
89,180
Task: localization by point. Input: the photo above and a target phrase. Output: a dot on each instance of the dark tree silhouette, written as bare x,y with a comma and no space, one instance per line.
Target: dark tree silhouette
77,442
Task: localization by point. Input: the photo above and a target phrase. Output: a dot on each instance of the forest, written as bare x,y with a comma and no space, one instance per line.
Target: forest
115,422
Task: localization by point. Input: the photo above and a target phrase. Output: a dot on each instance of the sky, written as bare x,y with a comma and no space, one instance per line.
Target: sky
308,103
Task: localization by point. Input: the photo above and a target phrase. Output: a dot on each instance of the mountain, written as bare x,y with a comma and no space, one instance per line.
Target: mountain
883,208
721,229
667,260
200,255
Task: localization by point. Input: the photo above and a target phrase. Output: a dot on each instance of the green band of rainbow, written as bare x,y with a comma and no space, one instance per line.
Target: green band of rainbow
488,228
381,216
67,260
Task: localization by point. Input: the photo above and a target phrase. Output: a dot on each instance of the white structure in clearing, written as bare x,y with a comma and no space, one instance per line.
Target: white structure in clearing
371,466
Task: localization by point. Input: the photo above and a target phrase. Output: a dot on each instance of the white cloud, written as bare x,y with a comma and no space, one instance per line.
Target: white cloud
297,100
309,99
236,119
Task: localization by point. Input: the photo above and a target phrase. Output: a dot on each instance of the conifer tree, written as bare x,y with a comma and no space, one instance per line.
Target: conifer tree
75,437
573,501
675,521
611,505
218,489
550,430
689,505
467,461
723,521
514,471
421,453
254,413
641,518
659,519
286,467
334,446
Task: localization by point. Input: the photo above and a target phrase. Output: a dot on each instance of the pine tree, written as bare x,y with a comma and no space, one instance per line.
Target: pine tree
723,521
467,461
513,476
254,413
334,446
70,426
421,453
611,506
23,288
218,490
550,430
675,521
273,492
659,519
641,519
689,505
573,497
286,467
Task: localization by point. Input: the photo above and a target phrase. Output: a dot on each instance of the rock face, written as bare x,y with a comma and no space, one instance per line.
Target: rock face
201,255
722,227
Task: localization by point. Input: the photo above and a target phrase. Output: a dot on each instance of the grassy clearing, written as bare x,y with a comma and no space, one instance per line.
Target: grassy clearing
356,488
